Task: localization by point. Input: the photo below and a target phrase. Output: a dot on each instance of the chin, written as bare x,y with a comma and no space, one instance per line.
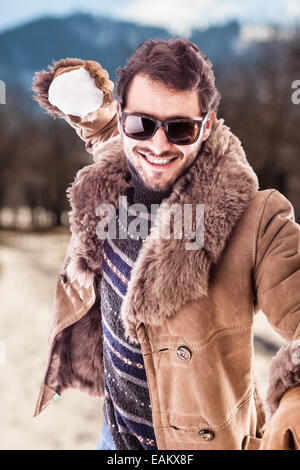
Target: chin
150,182
158,186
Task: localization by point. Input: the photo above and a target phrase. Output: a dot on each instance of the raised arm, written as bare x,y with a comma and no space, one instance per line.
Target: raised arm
81,93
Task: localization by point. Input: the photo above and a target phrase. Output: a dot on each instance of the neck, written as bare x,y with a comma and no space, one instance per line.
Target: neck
141,193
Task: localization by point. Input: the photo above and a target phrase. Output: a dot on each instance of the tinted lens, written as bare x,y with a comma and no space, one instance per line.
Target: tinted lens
182,132
138,127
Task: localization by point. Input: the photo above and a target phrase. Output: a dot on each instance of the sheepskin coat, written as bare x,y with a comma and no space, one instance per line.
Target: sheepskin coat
192,311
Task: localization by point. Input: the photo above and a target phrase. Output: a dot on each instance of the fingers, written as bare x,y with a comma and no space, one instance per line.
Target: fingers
102,81
277,439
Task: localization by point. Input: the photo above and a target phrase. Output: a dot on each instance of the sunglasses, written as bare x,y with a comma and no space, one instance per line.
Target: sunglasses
179,131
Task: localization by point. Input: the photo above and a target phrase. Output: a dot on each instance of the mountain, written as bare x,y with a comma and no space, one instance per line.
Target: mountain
32,46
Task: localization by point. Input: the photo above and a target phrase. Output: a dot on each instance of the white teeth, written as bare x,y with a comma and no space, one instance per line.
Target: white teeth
158,162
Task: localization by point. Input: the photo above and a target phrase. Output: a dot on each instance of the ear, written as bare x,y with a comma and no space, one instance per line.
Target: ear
119,115
118,108
208,126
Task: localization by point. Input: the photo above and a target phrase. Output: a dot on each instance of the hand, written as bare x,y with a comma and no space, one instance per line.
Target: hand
81,93
283,430
74,87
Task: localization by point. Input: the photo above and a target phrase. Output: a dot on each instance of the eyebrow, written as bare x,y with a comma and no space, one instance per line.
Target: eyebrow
175,116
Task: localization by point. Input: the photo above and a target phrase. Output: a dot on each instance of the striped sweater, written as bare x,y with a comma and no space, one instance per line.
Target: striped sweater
127,408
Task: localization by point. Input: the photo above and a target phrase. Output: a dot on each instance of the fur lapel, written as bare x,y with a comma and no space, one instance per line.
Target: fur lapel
165,275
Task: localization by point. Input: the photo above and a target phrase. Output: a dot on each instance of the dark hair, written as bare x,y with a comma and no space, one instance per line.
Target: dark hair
178,63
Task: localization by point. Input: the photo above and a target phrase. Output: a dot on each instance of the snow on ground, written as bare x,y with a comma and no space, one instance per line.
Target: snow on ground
29,266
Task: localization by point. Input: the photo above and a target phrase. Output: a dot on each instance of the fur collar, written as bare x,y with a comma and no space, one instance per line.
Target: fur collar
165,275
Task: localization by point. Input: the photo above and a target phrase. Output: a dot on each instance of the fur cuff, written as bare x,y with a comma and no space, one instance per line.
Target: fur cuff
284,375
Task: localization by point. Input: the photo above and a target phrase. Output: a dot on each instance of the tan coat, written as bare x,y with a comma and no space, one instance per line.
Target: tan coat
192,311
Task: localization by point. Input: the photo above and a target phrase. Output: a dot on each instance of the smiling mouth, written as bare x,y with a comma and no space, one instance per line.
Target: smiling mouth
158,161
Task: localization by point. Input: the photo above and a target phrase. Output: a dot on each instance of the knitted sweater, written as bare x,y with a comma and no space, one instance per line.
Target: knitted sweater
127,408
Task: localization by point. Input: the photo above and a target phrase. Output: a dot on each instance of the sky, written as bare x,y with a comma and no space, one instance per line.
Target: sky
179,16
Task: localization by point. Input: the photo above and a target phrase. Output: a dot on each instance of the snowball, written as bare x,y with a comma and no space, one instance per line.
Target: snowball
75,93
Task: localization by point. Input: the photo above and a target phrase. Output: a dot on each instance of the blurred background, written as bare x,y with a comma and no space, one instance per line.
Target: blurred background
255,49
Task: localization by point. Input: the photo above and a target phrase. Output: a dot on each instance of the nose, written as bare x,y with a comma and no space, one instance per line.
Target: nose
159,142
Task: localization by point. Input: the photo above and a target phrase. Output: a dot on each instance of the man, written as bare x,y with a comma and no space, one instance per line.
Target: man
162,326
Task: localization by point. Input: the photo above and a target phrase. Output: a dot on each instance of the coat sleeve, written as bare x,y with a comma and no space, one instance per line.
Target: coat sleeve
277,284
95,127
75,340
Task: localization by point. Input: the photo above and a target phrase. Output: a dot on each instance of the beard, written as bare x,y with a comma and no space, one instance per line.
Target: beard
159,183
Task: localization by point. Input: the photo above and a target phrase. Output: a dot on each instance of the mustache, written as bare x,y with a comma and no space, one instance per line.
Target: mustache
165,154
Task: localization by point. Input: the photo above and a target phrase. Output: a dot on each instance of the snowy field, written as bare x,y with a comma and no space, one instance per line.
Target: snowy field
29,265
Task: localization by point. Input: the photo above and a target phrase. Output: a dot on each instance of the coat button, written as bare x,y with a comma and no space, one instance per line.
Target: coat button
184,353
63,278
206,434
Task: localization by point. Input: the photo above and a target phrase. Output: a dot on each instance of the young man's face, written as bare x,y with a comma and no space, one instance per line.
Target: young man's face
155,99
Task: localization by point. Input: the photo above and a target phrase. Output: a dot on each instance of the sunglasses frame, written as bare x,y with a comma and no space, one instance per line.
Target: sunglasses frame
163,124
